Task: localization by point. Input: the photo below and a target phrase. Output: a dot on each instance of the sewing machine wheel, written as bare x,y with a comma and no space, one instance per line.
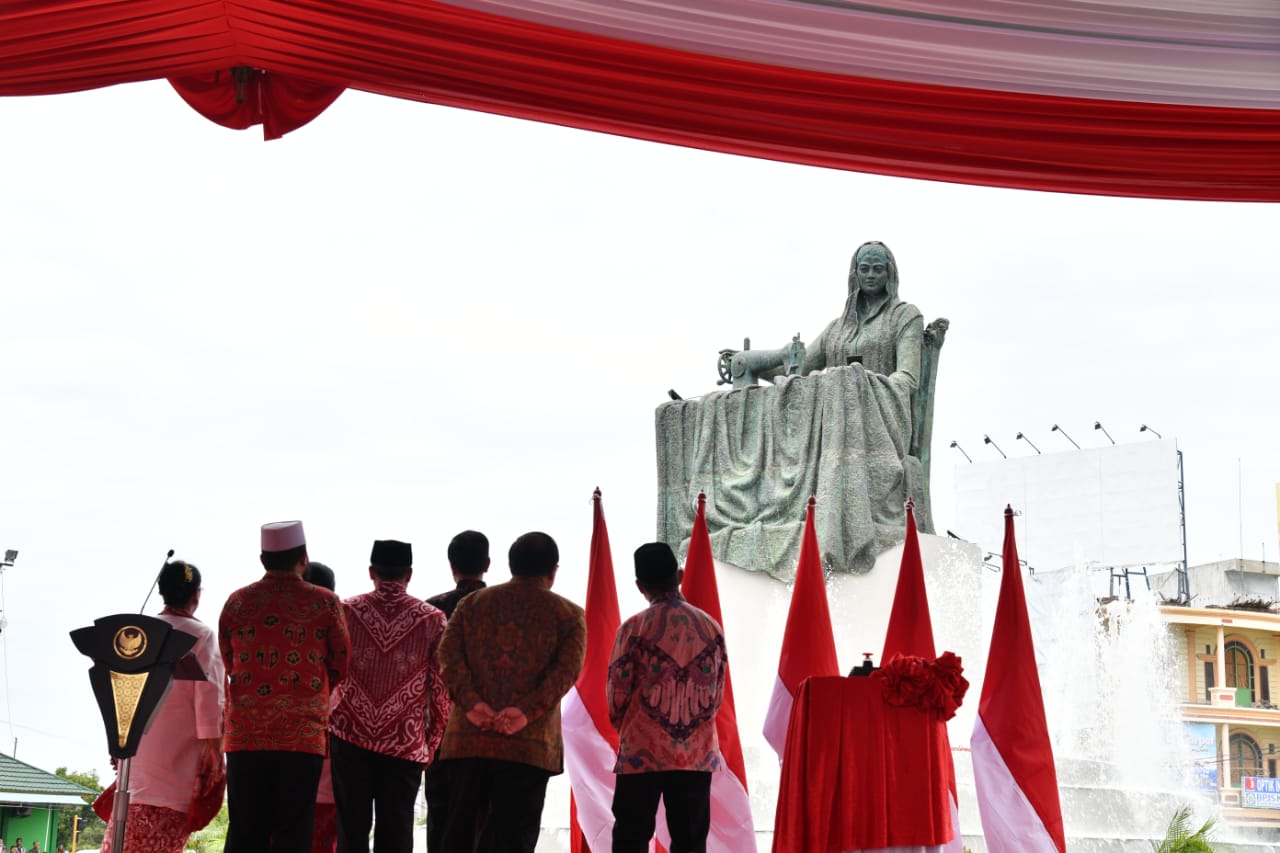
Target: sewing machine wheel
724,368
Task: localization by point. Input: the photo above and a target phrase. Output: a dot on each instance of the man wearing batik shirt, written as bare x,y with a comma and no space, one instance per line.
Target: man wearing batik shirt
284,643
666,680
468,561
391,709
509,655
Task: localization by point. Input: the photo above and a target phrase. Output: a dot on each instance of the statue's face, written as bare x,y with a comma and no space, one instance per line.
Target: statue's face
873,272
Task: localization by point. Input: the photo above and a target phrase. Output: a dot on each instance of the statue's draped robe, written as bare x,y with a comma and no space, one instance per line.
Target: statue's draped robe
841,434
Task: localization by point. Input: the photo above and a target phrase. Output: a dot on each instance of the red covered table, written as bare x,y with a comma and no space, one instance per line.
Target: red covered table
859,773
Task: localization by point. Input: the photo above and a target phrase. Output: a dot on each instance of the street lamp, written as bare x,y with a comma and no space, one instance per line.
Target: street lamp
957,446
1145,428
986,439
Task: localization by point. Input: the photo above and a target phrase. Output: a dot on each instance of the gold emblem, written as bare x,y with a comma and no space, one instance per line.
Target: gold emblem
130,642
126,690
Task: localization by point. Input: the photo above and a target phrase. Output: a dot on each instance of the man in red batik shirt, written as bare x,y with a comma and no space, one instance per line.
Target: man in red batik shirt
666,681
284,643
391,710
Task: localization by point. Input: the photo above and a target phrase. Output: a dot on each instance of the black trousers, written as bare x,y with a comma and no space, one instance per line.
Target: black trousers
494,806
271,801
365,783
435,789
687,797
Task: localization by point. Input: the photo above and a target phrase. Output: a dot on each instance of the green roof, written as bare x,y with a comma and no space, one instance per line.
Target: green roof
19,778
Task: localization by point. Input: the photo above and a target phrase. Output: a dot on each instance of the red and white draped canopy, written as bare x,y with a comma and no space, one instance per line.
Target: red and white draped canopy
1157,98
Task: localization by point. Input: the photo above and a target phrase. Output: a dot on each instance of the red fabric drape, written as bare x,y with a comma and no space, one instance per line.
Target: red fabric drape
861,774
437,53
278,102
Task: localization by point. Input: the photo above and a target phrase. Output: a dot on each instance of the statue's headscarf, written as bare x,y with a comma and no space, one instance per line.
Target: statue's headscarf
891,286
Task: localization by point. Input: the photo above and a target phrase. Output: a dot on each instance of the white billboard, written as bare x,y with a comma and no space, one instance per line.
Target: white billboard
1107,506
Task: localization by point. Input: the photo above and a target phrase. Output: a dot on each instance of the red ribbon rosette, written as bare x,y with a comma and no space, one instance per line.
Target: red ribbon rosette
937,686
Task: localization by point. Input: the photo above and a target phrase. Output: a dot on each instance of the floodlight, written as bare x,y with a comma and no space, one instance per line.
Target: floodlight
1056,428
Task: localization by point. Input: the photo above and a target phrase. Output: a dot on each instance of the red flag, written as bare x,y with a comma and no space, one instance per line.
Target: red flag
808,643
1012,756
910,630
732,830
590,742
910,633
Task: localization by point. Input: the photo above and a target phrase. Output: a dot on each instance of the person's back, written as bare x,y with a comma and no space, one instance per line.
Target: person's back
517,637
672,656
177,780
277,627
468,555
509,655
666,681
284,643
394,640
391,708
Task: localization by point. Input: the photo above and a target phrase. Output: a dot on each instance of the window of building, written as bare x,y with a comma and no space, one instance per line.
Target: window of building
1246,758
1239,662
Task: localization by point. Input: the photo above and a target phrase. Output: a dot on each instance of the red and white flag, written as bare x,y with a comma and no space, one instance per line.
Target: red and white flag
732,829
808,643
910,632
1012,757
590,743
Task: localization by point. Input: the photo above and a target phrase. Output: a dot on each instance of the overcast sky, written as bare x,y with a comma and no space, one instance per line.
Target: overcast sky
402,321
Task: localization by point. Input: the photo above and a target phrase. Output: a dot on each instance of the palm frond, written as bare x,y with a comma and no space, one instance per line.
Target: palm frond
1179,838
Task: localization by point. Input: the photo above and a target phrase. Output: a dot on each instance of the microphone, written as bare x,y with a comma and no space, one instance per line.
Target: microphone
154,583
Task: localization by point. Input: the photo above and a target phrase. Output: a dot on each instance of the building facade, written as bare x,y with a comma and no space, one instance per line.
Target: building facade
1227,652
29,803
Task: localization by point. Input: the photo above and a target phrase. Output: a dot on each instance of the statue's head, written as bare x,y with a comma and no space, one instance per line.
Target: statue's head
873,271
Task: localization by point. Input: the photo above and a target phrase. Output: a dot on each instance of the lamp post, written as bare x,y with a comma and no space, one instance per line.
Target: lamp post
986,439
1098,425
957,446
1184,583
1056,428
1032,443
10,556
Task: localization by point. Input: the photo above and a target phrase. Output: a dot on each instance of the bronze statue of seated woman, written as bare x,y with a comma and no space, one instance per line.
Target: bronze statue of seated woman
847,418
